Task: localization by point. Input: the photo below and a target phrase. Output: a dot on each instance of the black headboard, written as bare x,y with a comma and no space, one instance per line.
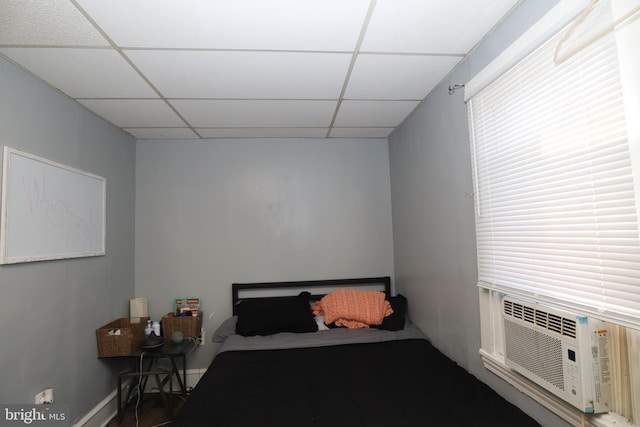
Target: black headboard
317,288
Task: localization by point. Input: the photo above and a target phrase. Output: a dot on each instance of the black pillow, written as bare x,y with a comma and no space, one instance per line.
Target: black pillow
395,321
267,316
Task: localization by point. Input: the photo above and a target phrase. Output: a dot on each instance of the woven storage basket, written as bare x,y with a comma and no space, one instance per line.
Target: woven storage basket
190,326
120,337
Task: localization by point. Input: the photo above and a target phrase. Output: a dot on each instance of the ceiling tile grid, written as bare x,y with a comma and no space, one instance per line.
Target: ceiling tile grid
166,69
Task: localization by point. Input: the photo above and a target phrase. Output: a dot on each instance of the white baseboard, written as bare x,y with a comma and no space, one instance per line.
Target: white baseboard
107,409
102,413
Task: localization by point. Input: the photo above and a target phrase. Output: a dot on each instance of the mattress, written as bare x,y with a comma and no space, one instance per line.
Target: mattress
341,377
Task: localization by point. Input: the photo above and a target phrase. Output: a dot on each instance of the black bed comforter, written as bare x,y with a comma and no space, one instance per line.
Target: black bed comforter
395,384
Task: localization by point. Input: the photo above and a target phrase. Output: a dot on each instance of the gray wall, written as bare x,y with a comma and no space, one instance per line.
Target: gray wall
210,213
433,227
50,309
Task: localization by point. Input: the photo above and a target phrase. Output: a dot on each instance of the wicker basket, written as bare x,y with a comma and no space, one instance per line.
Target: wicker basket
120,337
190,326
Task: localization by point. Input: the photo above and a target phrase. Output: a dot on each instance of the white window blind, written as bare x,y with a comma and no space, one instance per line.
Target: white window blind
556,216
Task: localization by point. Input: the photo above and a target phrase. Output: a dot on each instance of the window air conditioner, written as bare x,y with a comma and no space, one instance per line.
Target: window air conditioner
564,353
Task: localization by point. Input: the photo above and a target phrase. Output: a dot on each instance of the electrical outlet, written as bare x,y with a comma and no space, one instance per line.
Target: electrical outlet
45,397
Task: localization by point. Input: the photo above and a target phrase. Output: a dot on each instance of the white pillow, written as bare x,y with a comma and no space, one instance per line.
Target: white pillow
320,322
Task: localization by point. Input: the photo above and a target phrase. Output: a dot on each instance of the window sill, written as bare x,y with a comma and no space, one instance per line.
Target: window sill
563,410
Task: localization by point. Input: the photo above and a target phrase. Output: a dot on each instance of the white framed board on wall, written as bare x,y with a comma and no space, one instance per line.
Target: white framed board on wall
49,211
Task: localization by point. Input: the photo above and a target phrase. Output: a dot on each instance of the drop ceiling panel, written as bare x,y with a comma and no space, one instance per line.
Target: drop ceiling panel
263,132
46,23
255,113
134,113
367,114
397,76
327,25
83,73
267,75
455,28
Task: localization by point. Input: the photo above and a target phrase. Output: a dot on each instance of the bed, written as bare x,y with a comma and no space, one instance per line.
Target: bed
270,371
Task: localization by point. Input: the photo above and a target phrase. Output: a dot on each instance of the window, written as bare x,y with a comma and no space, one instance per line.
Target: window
556,158
556,208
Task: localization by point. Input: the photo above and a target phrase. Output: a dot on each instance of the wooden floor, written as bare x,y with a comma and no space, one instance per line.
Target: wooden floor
151,413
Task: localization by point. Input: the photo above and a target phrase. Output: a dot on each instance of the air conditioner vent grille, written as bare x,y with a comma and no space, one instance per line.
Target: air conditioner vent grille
569,327
552,322
538,353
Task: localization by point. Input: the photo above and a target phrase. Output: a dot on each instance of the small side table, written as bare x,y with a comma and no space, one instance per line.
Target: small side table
145,364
